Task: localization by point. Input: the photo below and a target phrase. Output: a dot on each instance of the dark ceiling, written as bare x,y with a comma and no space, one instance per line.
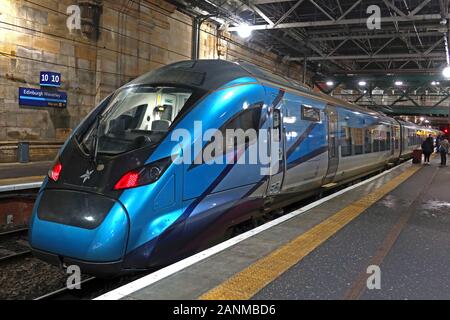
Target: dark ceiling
333,34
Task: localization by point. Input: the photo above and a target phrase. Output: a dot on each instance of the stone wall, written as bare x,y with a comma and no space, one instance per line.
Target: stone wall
135,37
216,44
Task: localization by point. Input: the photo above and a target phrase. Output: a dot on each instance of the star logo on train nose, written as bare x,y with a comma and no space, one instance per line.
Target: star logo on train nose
87,175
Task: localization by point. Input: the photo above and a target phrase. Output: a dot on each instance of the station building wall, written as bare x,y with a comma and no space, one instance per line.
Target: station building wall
134,37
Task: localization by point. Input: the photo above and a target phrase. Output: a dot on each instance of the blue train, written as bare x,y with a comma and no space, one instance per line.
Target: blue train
116,200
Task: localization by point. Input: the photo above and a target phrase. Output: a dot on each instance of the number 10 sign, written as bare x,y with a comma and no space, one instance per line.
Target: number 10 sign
50,79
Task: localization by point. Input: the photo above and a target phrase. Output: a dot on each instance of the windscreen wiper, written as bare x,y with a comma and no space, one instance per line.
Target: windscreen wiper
95,134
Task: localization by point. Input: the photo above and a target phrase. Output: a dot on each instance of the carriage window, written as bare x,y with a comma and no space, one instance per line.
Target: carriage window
248,121
382,140
397,138
310,114
357,135
376,141
367,141
388,141
346,142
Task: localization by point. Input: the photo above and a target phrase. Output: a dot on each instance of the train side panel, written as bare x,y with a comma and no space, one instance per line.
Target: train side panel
306,152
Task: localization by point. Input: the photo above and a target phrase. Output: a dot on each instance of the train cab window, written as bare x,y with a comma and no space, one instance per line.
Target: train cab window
310,113
135,117
346,142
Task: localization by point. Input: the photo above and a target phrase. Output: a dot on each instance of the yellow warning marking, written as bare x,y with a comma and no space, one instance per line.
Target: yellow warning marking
248,282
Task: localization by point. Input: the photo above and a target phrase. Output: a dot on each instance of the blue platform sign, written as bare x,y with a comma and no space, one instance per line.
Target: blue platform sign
50,79
41,98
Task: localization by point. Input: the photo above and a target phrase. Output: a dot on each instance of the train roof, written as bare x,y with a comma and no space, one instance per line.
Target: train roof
211,74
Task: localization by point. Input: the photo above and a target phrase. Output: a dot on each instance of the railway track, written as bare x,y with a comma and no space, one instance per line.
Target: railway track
14,242
90,288
14,245
68,294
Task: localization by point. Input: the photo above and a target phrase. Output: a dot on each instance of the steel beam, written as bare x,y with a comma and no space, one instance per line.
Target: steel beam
323,10
419,7
348,11
383,72
261,14
430,26
425,17
393,7
376,36
384,57
270,1
287,13
384,45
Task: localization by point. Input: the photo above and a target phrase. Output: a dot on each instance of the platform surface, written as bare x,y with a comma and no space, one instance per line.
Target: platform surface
398,221
21,170
19,176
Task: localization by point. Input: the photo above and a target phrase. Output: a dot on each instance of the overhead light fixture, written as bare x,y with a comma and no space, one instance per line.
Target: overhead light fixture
422,119
433,83
244,31
446,72
330,83
362,83
398,83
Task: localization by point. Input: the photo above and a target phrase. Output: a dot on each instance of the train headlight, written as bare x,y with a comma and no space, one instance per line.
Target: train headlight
143,176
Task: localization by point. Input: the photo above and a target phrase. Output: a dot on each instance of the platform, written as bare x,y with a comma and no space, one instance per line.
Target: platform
19,176
399,221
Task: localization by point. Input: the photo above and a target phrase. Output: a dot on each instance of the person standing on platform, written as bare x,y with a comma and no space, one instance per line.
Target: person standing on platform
438,142
444,146
427,148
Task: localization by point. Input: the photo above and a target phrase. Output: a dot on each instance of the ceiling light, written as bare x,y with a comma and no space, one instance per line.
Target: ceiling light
446,72
244,31
330,83
362,83
398,83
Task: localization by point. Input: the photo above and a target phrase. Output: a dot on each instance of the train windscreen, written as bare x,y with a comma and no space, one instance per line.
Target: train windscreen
135,117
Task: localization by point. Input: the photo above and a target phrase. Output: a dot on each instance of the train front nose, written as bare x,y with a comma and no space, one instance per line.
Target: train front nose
80,228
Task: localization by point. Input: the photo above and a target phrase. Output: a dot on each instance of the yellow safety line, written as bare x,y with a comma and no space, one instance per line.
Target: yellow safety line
245,284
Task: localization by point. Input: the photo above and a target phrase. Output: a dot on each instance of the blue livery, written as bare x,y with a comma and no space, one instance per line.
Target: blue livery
119,199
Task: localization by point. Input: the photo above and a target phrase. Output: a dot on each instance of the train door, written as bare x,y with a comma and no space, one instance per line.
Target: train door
391,139
277,150
333,144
